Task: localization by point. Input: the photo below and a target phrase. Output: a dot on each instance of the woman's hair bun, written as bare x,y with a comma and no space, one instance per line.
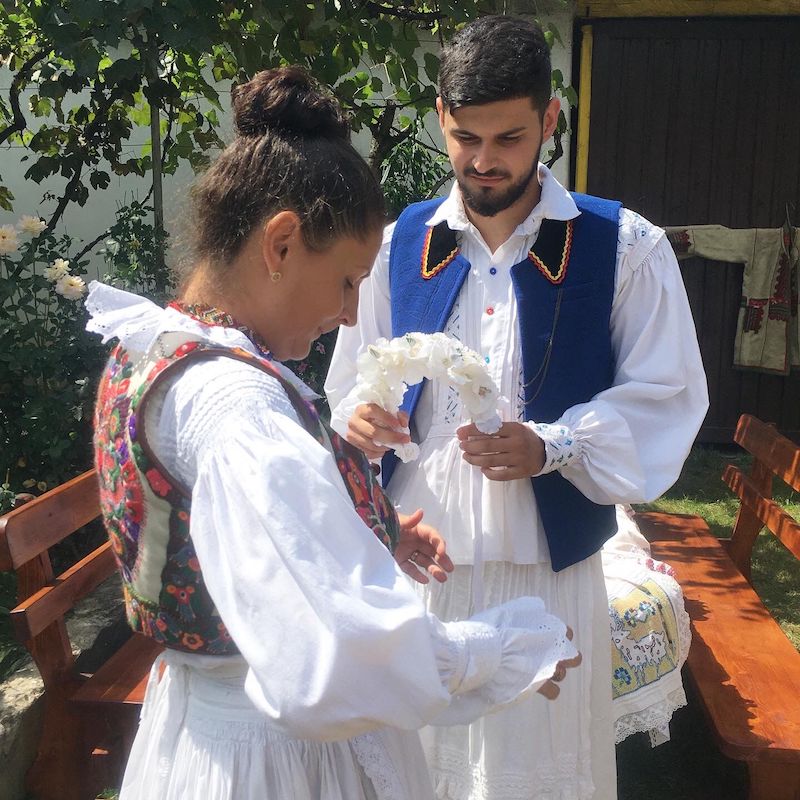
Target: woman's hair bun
287,99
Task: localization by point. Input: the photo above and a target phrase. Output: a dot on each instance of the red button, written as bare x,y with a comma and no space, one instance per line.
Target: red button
490,311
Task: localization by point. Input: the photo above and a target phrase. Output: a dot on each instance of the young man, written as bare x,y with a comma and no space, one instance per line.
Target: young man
578,307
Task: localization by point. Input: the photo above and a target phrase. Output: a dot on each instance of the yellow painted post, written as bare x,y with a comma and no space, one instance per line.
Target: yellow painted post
584,108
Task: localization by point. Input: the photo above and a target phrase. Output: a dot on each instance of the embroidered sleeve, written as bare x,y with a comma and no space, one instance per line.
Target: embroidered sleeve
560,445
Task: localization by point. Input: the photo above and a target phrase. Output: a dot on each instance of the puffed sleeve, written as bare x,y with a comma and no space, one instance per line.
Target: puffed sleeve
336,640
629,442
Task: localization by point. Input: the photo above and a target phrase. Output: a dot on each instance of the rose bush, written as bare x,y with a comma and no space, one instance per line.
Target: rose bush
49,366
46,362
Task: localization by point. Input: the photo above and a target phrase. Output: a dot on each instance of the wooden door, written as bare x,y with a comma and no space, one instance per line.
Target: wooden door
697,121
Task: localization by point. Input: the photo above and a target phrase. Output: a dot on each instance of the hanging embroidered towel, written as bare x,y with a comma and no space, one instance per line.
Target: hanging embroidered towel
767,334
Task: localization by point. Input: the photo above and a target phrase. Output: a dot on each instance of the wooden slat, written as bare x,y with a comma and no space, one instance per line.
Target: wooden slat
776,451
746,669
50,603
123,678
51,649
686,8
45,521
781,524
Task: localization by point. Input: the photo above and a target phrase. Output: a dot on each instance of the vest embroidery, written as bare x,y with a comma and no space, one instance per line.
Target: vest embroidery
438,250
553,246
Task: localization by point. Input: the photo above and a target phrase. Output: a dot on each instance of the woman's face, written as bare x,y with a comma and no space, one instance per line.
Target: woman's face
317,291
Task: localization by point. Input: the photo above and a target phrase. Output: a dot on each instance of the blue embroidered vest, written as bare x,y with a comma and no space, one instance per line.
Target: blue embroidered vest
147,513
564,291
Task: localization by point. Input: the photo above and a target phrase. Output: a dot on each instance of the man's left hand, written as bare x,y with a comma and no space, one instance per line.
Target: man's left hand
421,549
515,451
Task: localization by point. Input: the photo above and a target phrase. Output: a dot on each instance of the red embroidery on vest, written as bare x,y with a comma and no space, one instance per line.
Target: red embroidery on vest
556,276
429,271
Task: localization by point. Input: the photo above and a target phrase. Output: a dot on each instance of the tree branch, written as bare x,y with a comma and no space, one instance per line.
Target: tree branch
425,145
438,185
105,233
381,133
72,184
165,148
404,13
19,122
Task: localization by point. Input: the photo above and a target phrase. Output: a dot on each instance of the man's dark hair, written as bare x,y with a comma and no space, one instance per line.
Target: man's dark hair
495,58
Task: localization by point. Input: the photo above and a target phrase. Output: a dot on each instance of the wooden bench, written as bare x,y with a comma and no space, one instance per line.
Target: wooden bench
745,670
89,720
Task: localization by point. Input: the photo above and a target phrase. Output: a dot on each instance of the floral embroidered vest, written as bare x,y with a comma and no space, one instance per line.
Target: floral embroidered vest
147,512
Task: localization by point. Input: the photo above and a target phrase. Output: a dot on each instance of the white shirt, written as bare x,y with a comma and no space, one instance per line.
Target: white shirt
625,445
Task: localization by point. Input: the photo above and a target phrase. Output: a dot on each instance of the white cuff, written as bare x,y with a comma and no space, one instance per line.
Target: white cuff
560,445
479,649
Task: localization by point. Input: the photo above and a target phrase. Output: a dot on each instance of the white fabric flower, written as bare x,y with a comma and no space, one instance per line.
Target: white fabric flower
58,269
71,287
8,239
388,368
31,225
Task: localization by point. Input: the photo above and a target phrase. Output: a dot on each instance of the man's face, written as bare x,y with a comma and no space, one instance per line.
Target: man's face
494,150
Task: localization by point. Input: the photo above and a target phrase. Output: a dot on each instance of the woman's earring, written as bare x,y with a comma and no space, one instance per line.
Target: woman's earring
276,276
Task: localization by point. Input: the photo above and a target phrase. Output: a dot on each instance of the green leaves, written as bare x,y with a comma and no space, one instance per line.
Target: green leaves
6,198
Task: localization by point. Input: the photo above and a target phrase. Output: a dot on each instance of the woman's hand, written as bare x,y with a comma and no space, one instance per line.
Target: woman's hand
374,430
550,688
421,549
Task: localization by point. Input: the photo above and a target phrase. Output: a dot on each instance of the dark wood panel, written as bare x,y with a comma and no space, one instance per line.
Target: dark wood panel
695,121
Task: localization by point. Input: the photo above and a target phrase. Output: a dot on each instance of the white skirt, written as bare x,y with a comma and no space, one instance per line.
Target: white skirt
201,738
537,749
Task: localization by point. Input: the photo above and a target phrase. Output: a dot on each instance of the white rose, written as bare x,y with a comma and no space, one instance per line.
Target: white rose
71,287
31,225
387,368
58,269
8,239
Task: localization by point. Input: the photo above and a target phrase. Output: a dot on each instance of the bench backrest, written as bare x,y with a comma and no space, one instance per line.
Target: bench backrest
26,534
773,455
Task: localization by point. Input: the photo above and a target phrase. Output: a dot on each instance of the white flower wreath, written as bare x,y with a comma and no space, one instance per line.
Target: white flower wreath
387,368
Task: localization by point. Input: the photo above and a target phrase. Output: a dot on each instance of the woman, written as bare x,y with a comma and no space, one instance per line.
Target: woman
299,662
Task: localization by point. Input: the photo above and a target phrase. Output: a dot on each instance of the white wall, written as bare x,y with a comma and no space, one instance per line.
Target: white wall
85,223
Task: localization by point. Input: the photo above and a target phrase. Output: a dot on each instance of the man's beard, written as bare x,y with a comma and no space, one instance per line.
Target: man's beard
486,204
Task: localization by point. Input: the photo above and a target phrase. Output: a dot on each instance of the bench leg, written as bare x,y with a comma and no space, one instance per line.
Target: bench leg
774,781
107,736
56,772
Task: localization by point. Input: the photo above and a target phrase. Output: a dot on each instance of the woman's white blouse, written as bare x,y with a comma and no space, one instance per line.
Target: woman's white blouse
336,640
625,445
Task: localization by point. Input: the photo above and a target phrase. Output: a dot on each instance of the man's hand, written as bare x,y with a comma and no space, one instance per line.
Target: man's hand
515,451
421,549
371,425
550,688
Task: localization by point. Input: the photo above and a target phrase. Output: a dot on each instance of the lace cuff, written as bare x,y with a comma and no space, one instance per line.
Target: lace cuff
477,648
560,445
530,643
